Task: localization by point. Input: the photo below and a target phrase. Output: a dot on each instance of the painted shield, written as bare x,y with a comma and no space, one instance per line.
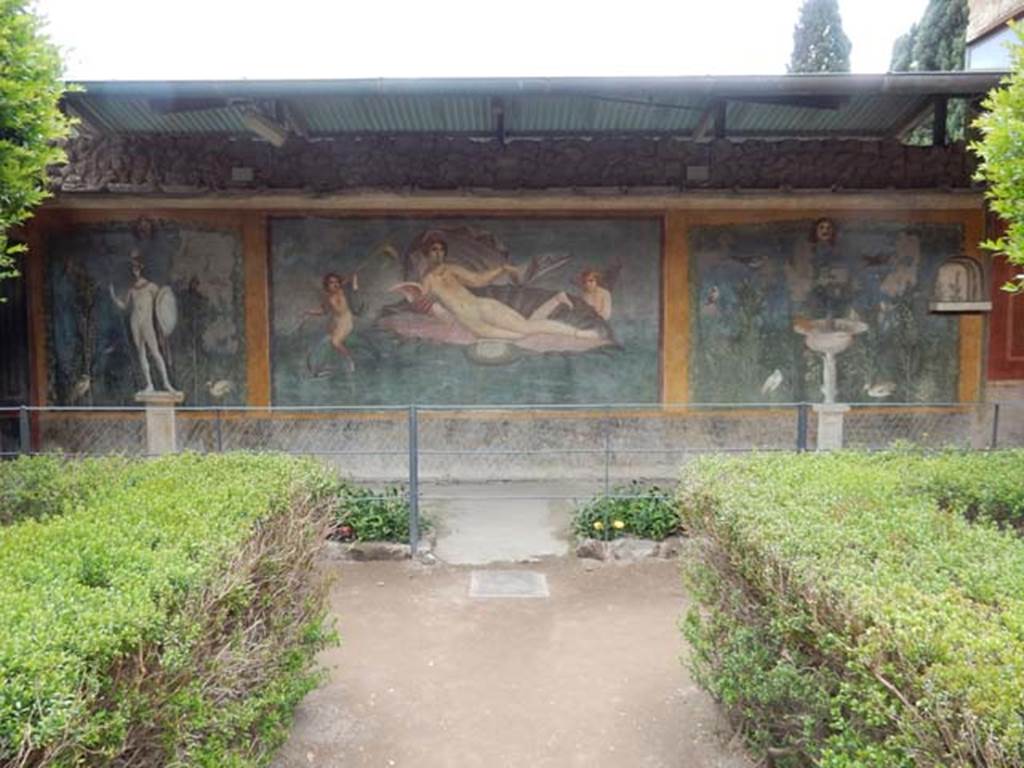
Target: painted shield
166,310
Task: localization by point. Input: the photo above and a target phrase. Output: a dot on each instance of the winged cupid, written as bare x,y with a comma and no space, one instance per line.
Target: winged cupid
153,316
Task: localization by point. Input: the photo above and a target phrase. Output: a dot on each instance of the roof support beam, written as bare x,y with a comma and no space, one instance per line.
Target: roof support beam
905,126
706,122
293,119
267,128
720,109
498,111
939,124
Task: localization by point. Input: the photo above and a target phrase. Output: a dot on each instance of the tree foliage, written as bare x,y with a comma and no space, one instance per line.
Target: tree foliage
935,44
31,123
819,43
1001,151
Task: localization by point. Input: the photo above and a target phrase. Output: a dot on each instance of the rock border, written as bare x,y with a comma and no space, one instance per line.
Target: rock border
629,548
366,551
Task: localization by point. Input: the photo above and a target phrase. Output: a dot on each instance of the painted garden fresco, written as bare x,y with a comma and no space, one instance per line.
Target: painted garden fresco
145,306
464,311
772,303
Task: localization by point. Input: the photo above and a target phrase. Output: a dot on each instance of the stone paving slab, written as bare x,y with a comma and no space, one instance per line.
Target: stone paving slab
505,584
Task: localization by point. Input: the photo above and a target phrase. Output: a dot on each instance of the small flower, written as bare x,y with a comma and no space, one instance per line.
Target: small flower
598,525
618,525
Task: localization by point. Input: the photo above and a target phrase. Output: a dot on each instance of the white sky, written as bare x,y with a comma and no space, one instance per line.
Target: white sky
255,39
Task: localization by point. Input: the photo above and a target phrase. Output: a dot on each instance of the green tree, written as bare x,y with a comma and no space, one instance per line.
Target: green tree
31,123
935,44
1001,153
819,43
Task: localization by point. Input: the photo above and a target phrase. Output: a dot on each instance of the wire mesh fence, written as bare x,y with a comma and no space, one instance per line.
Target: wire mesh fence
597,448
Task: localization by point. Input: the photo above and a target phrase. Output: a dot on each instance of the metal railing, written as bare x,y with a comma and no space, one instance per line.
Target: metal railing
587,449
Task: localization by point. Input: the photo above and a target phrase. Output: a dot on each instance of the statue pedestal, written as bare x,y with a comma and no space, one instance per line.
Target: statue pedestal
160,426
830,425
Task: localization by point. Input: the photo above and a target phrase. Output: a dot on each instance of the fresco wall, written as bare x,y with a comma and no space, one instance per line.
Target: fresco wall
459,310
760,293
122,298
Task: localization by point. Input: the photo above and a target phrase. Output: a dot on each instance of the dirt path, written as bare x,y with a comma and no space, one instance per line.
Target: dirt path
428,677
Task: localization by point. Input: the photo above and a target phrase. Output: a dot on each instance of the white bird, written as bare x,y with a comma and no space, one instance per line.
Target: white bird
81,388
219,388
772,382
881,389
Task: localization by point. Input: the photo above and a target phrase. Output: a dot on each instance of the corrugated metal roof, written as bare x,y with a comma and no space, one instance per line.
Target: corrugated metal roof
770,106
875,114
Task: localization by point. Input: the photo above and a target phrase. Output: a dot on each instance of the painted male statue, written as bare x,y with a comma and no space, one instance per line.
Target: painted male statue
151,308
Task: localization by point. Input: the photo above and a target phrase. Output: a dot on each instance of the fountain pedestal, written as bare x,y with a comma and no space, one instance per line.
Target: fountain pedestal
830,425
160,422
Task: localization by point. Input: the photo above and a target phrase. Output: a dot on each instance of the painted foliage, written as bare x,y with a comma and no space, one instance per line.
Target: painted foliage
391,311
770,302
145,305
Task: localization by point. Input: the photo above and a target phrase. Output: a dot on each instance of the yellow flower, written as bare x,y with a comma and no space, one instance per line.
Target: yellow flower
598,526
618,525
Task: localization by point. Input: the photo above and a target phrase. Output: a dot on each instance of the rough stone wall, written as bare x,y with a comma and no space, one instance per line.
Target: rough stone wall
167,165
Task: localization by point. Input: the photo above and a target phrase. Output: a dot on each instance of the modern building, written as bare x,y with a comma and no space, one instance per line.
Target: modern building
988,33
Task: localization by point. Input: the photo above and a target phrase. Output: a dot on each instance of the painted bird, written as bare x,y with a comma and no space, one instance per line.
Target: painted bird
219,388
81,388
880,390
772,382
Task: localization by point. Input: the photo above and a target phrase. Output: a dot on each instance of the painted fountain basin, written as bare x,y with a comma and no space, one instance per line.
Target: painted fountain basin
829,337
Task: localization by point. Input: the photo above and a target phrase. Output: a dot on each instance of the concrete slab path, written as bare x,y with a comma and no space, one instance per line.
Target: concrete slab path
429,677
482,523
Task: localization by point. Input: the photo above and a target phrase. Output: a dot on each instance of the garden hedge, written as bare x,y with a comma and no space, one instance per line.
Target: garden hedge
169,616
848,612
43,486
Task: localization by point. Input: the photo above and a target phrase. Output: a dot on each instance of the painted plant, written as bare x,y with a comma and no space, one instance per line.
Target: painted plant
768,298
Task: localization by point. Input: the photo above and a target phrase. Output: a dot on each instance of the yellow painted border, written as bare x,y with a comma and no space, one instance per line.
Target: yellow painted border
678,216
675,325
255,256
972,327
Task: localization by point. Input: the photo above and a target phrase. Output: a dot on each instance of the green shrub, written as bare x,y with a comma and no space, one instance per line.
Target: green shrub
171,619
648,512
979,486
846,618
42,486
366,514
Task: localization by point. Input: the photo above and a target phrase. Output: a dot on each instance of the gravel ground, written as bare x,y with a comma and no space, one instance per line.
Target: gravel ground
591,676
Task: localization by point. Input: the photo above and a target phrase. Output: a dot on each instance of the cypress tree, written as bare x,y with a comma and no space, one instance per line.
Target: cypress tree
935,44
819,43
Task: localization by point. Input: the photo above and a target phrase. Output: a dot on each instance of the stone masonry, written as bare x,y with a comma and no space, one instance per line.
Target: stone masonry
195,165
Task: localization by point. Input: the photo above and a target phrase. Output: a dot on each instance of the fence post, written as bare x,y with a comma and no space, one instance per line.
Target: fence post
24,432
607,451
995,426
801,427
219,432
414,482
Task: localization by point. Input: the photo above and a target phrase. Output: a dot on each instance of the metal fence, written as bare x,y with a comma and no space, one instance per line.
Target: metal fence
590,447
